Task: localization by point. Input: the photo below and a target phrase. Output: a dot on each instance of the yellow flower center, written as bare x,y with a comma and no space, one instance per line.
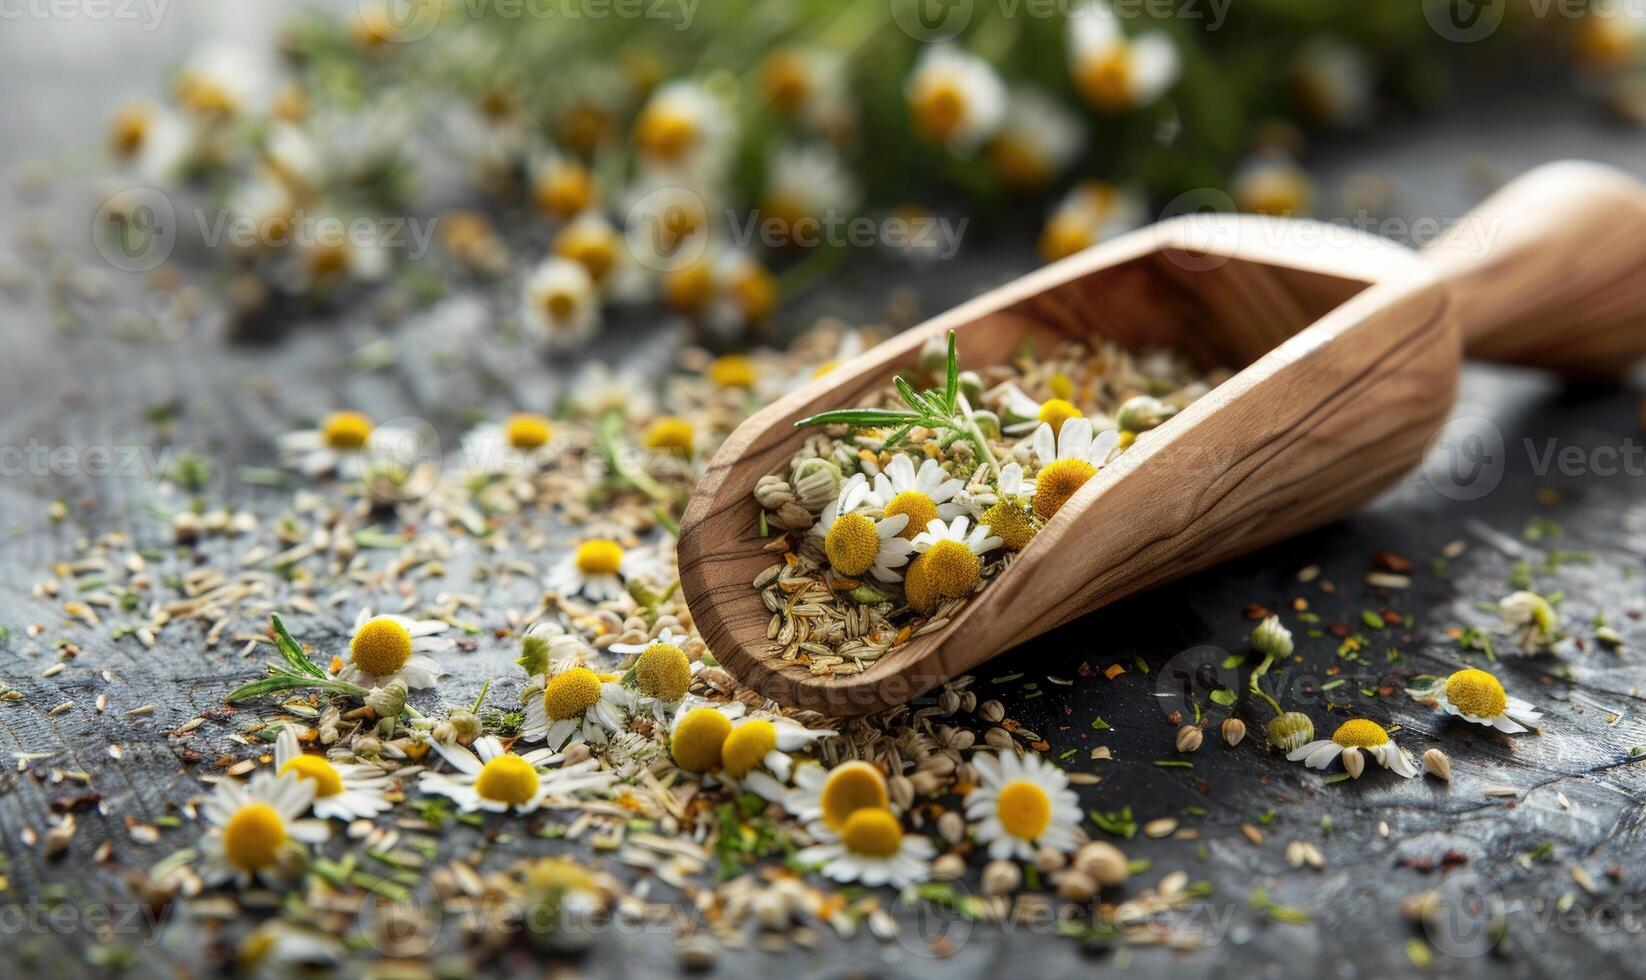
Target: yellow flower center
664,135
1476,693
732,371
601,556
671,432
747,745
1024,809
318,771
1273,192
380,646
663,672
1019,166
559,304
253,836
570,694
784,81
688,290
922,510
595,251
129,129
918,587
507,779
952,569
557,875
1063,237
852,544
755,293
526,431
563,190
872,832
1106,82
1008,522
698,739
850,787
1062,386
1057,411
345,430
1057,482
1360,733
938,108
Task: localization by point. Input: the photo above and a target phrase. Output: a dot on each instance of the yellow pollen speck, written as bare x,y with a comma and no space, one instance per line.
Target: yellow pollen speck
697,740
1024,809
872,832
852,544
1476,693
747,745
526,431
570,694
1057,482
732,371
507,779
671,432
1008,522
952,569
253,836
345,430
380,646
318,771
850,787
1360,733
601,556
922,510
663,672
1057,411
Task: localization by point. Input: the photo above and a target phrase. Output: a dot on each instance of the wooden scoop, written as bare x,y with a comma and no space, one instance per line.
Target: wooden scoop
1347,349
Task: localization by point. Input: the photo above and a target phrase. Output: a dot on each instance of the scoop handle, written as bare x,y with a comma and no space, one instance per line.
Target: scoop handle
1550,271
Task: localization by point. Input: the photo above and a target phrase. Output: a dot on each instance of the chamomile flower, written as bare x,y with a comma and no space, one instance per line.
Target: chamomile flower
924,495
1477,696
517,444
1037,141
254,825
755,754
343,444
1115,73
152,140
662,673
1273,185
1352,738
871,847
597,570
388,648
805,185
955,98
599,390
1008,517
1090,213
574,705
809,85
329,257
592,241
1331,82
1021,414
492,778
1611,37
699,732
1535,623
562,187
341,792
220,81
549,648
743,294
824,798
559,304
683,129
1023,805
1067,459
949,561
856,543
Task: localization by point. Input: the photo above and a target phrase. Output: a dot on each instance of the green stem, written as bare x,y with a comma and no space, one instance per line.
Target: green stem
638,478
480,699
1257,674
978,440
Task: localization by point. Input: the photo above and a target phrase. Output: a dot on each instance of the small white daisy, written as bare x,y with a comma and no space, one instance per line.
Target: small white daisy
574,705
252,824
387,648
221,81
597,570
822,798
955,98
1332,82
1477,696
1090,213
341,792
559,303
491,778
1272,184
1021,414
871,847
1533,619
344,444
1037,142
662,673
857,544
1024,804
1067,459
755,755
805,185
1115,73
684,129
518,444
1352,738
809,84
976,540
924,495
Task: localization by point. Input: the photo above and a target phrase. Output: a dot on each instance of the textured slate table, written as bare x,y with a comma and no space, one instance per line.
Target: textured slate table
1578,799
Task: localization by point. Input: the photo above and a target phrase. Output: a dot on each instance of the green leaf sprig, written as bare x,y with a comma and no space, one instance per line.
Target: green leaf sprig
293,671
